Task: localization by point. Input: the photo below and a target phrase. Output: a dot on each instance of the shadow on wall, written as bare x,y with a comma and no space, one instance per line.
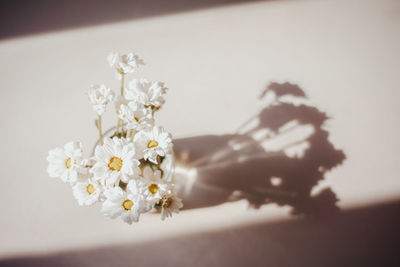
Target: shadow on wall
21,17
361,237
278,156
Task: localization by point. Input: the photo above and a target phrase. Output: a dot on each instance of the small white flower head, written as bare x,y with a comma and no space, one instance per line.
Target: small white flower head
128,204
118,102
65,163
136,116
124,64
170,203
154,187
100,96
148,93
115,162
87,192
152,143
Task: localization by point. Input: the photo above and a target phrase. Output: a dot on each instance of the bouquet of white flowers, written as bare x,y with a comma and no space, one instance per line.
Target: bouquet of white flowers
131,171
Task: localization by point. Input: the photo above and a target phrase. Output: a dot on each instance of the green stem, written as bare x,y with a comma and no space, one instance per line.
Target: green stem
122,83
99,128
119,123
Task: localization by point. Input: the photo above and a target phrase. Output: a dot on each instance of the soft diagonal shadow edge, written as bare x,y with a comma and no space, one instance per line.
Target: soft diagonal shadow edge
24,17
365,236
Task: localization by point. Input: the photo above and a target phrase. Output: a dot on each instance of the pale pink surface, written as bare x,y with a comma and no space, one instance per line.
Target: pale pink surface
344,54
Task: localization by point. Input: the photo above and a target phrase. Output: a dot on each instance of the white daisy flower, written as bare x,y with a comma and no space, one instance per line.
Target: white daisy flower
170,203
124,64
65,163
87,192
152,143
115,161
100,96
136,116
154,187
127,204
148,93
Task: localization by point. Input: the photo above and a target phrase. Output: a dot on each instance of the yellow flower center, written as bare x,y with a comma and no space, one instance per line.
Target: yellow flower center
153,188
68,163
167,202
127,204
115,164
152,143
90,189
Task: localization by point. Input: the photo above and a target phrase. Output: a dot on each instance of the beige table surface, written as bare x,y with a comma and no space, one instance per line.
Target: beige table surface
344,55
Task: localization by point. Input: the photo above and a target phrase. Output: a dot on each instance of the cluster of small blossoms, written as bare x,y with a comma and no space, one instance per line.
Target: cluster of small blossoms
127,173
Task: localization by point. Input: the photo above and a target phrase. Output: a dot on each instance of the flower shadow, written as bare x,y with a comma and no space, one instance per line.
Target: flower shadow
278,156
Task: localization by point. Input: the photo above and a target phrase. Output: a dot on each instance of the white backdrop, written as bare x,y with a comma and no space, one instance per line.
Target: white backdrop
343,54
